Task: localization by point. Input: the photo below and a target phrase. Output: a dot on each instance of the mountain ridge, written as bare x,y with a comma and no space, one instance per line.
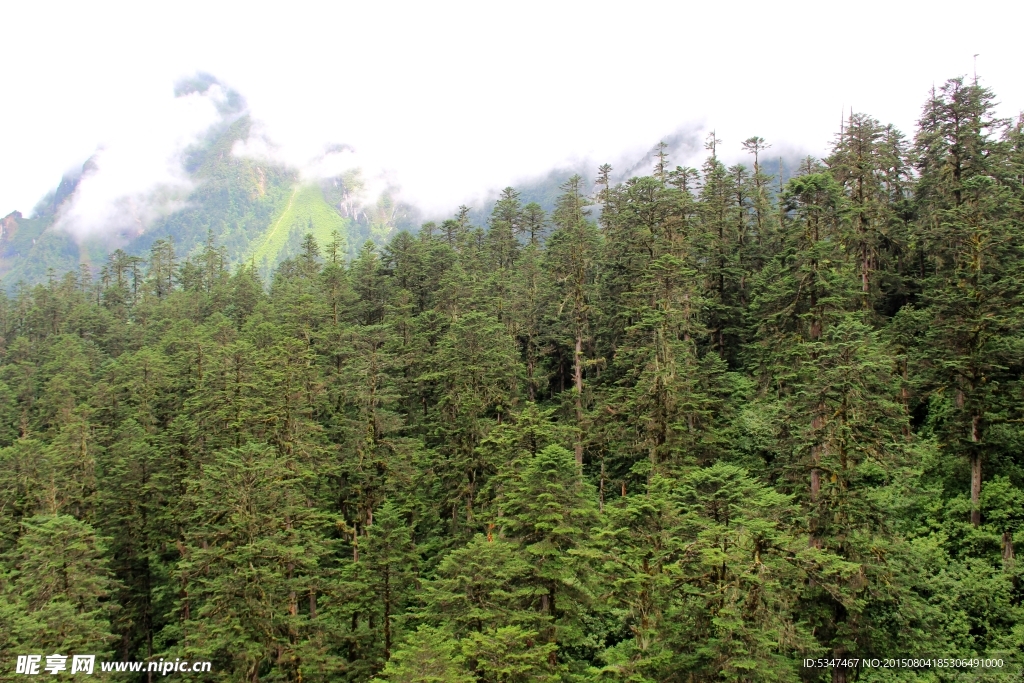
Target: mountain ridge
237,201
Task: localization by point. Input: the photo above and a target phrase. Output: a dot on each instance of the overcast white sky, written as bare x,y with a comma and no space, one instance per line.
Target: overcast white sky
455,98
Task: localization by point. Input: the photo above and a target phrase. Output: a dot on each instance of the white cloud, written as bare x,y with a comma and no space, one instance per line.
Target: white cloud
137,175
449,99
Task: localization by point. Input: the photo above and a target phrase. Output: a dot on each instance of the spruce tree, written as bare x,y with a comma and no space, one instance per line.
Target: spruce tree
58,587
572,250
968,209
550,510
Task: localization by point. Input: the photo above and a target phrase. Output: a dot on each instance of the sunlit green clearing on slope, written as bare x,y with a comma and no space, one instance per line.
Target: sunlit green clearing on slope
306,212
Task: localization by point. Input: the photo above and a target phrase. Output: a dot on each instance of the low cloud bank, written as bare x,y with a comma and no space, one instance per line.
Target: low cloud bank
138,176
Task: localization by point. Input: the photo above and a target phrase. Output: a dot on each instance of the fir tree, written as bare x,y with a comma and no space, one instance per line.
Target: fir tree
972,292
571,252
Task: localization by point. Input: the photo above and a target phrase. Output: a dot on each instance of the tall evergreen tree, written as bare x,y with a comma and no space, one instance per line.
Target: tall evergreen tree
550,511
572,251
968,208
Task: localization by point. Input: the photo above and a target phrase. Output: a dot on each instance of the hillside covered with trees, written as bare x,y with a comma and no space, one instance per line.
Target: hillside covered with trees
258,209
698,426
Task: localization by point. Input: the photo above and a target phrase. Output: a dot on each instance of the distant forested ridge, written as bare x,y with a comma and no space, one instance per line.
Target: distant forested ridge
701,425
257,210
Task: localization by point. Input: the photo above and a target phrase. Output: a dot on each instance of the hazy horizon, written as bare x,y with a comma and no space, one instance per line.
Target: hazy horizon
450,104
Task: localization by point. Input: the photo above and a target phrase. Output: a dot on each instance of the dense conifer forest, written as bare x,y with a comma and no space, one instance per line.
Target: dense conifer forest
701,425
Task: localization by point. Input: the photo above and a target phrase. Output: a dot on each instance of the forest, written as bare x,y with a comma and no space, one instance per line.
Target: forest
702,425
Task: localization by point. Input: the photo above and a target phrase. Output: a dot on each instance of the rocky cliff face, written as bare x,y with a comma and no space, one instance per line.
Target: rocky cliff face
9,226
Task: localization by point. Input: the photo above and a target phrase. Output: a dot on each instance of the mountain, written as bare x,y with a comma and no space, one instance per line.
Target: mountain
257,210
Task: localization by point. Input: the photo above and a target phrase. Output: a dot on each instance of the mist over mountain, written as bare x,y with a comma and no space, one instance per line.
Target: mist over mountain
199,174
205,171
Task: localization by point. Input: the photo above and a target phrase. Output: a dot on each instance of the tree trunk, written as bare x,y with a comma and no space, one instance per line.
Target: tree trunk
975,472
387,615
865,269
529,376
905,397
1008,554
578,381
815,477
975,489
815,460
548,606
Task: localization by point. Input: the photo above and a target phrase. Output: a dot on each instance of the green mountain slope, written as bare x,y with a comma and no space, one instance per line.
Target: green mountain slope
235,198
252,208
306,211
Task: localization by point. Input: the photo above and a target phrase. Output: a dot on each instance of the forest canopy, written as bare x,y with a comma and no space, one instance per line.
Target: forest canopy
701,425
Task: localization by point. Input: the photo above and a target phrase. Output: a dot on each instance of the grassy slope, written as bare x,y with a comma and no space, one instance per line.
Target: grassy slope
235,198
253,209
305,211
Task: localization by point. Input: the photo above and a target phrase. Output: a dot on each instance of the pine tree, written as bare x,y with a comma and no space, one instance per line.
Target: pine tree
390,558
429,655
534,222
477,373
244,568
549,510
481,587
59,585
162,268
721,248
505,224
869,160
572,251
528,295
760,199
971,285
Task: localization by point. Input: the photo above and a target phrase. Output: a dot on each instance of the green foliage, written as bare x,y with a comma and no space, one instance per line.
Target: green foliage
305,213
738,422
428,656
55,591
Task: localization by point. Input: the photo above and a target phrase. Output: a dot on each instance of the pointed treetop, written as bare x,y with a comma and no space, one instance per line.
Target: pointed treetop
711,144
